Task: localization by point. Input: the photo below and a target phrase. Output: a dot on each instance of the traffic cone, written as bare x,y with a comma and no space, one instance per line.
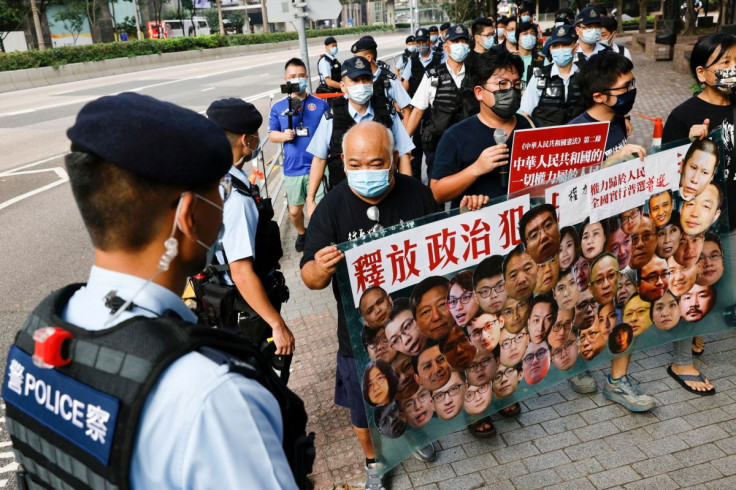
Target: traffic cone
658,130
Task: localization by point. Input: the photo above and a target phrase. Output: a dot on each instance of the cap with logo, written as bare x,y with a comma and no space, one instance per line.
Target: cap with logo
564,34
409,39
458,32
355,67
589,15
365,43
422,34
433,29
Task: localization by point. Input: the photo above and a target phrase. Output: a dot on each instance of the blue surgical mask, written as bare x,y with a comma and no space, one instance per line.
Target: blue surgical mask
591,36
562,56
528,41
333,50
500,32
511,37
525,18
411,49
433,37
424,48
459,52
302,84
488,42
361,93
369,183
604,42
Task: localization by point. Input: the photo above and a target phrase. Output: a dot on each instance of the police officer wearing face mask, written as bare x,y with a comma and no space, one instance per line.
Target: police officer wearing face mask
434,38
526,34
588,28
468,158
553,96
147,413
374,196
447,92
411,48
359,104
419,62
328,67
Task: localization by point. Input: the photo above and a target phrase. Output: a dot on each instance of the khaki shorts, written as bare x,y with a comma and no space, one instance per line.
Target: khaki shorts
296,190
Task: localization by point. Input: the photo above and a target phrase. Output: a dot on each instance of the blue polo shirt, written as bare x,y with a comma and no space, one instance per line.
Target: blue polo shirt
296,159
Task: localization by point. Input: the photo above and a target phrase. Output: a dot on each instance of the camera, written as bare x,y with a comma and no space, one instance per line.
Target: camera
289,88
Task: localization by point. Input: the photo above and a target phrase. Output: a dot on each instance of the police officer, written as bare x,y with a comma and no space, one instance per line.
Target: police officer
447,91
328,67
444,28
240,120
404,58
384,80
151,205
552,96
434,38
588,27
359,104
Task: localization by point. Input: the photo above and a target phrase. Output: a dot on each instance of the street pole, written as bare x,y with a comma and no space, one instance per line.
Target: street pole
300,15
137,23
37,25
219,18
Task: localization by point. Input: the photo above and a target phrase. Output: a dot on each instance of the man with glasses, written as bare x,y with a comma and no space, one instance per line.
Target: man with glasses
536,362
515,314
401,329
566,354
585,310
643,243
417,411
711,260
477,398
513,346
588,28
483,367
607,83
604,275
449,399
376,344
653,279
631,219
489,284
468,157
561,328
592,341
506,380
484,331
540,233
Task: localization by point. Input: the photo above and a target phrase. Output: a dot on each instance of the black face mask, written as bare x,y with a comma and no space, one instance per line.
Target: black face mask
624,103
507,102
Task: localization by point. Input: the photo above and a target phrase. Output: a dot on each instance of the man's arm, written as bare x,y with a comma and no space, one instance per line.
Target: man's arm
412,123
331,83
453,186
318,272
251,288
281,136
316,173
405,164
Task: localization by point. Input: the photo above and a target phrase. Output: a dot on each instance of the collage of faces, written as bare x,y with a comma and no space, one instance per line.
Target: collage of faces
456,344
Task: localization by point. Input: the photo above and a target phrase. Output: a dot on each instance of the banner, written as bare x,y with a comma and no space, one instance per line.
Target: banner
543,155
491,306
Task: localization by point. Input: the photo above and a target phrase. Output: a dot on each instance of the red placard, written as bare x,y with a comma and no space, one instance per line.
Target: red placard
543,155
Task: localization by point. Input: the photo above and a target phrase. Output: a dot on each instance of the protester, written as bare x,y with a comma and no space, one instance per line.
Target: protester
483,34
533,59
501,23
511,39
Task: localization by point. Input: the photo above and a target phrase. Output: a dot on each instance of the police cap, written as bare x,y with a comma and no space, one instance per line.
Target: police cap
365,43
422,34
564,34
355,67
458,32
445,26
433,29
589,15
330,40
235,115
153,139
409,39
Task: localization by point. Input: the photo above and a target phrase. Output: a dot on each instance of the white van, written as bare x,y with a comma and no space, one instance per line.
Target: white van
174,27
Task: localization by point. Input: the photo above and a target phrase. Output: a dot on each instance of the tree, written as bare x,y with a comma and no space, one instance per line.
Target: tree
72,18
690,17
643,16
463,11
12,13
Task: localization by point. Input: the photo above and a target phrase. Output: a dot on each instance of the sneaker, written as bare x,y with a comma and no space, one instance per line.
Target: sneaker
299,245
426,453
626,394
583,383
374,481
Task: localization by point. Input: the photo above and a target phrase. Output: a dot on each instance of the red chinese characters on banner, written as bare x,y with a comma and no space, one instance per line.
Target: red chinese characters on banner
403,261
543,155
369,270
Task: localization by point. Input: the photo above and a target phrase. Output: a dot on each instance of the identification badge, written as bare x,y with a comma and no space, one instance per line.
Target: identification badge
302,131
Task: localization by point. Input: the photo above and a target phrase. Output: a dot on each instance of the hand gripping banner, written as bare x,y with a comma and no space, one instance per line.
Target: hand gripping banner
466,313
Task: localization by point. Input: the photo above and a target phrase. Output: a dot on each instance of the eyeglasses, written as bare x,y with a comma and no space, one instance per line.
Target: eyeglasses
498,288
498,377
404,331
567,325
506,85
506,344
584,305
441,395
610,278
590,336
655,277
581,266
488,327
381,378
644,238
631,216
421,397
464,299
714,257
539,355
560,350
512,310
546,228
470,395
477,366
373,343
628,87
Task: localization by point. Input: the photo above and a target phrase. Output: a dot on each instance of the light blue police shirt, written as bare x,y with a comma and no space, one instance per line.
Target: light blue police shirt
320,144
240,220
396,91
406,72
201,426
324,68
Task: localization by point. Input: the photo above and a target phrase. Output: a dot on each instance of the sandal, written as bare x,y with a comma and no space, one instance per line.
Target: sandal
682,378
511,410
695,345
476,428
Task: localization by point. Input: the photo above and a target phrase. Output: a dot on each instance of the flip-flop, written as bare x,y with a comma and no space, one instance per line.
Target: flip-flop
682,378
482,434
511,410
696,352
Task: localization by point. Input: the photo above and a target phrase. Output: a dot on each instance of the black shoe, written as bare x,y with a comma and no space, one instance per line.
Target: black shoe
299,245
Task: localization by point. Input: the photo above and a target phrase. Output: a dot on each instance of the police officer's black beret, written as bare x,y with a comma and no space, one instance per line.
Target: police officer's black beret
330,40
235,115
355,67
458,32
157,140
433,29
365,43
422,34
409,39
445,26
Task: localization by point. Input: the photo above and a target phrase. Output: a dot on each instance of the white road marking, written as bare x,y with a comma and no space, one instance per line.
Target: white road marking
208,89
60,172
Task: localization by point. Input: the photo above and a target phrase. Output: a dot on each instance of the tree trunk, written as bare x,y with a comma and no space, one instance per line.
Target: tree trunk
642,16
723,13
619,13
689,18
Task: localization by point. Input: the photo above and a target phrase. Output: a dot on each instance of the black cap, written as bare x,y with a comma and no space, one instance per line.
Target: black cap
563,34
235,115
409,39
355,67
422,34
433,29
445,26
525,26
330,40
458,32
365,43
589,15
153,139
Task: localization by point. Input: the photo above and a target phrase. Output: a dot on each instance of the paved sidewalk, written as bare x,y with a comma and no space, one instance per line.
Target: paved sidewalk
561,439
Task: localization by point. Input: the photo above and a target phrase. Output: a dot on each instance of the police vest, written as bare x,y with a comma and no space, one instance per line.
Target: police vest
405,56
382,84
580,56
418,69
342,121
75,426
554,109
451,104
334,75
537,62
